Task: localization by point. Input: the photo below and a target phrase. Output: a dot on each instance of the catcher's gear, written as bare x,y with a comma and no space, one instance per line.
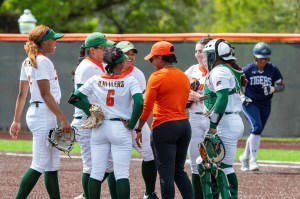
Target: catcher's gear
212,149
96,118
62,141
218,48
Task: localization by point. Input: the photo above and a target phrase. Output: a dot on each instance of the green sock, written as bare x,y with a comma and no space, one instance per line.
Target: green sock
51,183
149,173
197,187
85,184
111,181
94,188
123,188
28,181
233,184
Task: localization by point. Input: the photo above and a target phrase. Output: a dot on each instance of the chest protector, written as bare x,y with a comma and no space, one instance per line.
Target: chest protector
209,104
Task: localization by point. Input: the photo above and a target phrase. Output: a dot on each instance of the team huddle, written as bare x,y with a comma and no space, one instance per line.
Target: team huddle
195,112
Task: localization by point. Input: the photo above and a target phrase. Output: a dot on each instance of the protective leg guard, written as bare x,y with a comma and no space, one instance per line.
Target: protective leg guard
222,181
208,186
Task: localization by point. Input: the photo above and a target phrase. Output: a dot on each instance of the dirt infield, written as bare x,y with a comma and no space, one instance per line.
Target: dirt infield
271,182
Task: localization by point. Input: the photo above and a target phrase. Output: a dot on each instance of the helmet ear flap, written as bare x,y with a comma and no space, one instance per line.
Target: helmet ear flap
217,45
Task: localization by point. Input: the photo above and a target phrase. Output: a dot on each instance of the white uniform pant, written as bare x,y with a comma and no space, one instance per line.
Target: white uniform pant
83,137
40,120
199,125
230,130
111,138
145,151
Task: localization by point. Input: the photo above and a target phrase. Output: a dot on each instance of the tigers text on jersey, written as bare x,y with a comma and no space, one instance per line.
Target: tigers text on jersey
222,78
194,72
114,94
256,79
45,71
84,71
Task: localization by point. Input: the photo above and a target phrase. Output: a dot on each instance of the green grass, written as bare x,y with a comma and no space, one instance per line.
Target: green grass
264,154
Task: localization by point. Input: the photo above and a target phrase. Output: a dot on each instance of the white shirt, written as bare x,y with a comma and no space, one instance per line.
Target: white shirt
113,94
84,71
222,78
45,71
193,73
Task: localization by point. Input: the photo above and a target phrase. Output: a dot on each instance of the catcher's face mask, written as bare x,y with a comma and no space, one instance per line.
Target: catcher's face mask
210,59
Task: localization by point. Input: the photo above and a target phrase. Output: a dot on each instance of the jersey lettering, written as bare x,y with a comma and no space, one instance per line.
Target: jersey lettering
260,80
113,84
109,98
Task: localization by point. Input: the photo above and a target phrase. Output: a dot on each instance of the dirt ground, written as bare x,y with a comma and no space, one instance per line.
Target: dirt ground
272,181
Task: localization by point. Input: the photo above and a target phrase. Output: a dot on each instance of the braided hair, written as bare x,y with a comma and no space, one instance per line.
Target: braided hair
112,56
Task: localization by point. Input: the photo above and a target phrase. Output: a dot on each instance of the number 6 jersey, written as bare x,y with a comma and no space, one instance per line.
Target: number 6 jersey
114,93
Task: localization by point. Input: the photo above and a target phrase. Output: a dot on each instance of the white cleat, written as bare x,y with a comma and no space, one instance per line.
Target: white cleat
245,163
81,196
253,165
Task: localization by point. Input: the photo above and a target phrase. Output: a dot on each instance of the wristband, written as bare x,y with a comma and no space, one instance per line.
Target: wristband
138,130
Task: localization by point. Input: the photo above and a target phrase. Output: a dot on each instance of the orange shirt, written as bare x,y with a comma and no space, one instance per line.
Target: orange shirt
167,94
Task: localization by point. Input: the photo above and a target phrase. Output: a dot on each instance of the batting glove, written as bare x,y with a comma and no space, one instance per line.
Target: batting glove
268,90
246,100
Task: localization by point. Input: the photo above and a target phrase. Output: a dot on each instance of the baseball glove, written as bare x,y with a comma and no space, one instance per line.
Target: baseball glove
212,149
96,118
195,85
62,141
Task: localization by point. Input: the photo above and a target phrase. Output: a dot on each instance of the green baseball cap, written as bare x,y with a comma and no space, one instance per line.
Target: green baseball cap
97,39
126,46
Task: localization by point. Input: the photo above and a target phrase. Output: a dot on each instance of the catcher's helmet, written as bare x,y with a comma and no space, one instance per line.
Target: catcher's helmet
262,50
218,48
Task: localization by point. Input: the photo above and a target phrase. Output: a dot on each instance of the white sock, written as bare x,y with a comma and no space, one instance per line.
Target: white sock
247,150
254,142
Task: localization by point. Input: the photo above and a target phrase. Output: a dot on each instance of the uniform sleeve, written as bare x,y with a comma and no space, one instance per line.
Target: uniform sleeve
23,75
139,75
134,87
152,88
277,75
221,78
43,70
83,73
188,73
87,87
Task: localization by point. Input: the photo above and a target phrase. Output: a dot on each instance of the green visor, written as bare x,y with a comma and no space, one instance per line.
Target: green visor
50,34
121,58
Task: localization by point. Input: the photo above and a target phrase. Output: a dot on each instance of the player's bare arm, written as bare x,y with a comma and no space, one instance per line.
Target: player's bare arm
21,99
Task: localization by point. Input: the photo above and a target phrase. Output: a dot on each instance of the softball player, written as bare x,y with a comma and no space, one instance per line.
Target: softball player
90,64
224,108
264,78
39,75
149,171
199,123
113,92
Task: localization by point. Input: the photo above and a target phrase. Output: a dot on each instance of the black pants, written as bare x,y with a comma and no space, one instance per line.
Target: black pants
169,142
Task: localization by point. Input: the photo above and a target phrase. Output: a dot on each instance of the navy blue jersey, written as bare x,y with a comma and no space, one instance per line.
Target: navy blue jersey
256,79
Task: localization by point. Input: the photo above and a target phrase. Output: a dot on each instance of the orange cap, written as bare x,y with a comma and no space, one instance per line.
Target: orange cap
161,48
